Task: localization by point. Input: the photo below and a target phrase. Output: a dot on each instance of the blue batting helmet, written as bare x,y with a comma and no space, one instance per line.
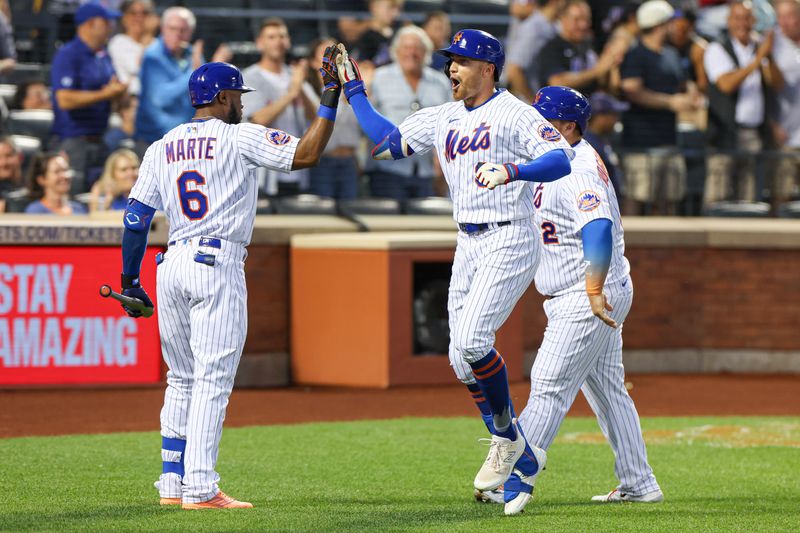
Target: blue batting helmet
563,103
208,80
479,45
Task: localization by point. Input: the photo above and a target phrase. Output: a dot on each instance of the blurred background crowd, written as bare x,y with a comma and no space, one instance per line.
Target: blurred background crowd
696,103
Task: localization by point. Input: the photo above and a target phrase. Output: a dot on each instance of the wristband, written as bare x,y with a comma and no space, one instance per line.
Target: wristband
330,98
328,113
130,281
354,87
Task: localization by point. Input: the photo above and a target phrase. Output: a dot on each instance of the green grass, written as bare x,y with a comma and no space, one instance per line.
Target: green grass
718,474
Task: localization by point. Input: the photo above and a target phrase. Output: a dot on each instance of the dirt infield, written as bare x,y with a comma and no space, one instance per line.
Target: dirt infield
57,412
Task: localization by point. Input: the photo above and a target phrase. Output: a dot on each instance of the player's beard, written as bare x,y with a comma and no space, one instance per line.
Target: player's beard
234,115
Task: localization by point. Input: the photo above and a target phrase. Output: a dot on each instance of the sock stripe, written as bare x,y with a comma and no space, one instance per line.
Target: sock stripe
494,359
492,371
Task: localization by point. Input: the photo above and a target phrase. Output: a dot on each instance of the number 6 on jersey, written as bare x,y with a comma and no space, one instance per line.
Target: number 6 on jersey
193,202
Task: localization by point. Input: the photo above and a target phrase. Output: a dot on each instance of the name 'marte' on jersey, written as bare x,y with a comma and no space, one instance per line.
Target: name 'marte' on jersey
502,130
202,174
562,209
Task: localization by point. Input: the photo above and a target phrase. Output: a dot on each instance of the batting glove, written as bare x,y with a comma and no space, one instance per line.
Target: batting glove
132,288
490,175
349,74
332,87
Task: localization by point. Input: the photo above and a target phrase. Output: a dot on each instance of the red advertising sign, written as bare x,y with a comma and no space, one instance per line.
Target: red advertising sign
56,329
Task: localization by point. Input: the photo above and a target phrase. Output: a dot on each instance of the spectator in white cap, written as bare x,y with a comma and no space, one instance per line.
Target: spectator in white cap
652,81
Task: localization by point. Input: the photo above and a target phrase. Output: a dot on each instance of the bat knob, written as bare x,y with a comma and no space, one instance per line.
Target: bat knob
105,291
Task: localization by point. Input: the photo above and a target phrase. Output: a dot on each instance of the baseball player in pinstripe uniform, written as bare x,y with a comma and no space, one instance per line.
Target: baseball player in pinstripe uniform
202,174
584,276
490,146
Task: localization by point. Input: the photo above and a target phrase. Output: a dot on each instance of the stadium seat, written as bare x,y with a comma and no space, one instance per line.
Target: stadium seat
738,208
423,6
26,72
264,206
432,205
33,122
7,92
17,200
475,7
370,206
789,210
83,198
345,5
305,204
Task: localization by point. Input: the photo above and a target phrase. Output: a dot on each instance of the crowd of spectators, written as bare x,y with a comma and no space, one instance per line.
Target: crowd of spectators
694,101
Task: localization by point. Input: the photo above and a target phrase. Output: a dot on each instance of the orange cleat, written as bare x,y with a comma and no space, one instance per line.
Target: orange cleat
220,501
170,501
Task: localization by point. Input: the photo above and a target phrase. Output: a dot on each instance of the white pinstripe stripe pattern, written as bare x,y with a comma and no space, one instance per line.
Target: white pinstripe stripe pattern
578,349
491,271
202,308
206,301
580,352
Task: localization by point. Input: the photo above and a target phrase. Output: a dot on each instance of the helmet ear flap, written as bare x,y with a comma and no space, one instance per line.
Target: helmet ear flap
447,67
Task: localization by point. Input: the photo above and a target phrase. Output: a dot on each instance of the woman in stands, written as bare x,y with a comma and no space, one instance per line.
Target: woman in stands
112,189
49,180
126,48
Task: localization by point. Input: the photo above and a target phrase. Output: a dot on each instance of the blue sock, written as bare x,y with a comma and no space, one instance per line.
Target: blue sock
170,446
492,378
483,406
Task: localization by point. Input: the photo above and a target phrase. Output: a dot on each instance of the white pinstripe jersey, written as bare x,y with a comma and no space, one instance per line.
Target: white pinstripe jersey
202,174
563,208
502,130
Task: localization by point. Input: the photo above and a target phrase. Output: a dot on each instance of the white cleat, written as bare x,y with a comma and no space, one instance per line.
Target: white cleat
616,496
503,455
489,496
523,489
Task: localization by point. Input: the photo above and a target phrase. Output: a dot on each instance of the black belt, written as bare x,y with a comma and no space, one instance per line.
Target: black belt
469,228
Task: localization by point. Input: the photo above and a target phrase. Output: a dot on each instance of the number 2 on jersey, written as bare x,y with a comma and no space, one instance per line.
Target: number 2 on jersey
549,233
193,202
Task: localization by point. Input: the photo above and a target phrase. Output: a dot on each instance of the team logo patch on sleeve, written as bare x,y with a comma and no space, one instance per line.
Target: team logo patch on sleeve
548,132
278,137
588,201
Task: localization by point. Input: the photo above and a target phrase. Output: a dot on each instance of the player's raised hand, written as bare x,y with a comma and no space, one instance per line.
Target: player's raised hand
490,175
347,67
600,308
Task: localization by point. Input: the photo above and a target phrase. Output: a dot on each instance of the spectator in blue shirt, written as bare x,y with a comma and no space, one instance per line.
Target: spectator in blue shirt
166,66
84,86
49,184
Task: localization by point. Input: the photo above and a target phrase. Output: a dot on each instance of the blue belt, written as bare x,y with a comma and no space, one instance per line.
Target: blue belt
469,229
199,257
208,242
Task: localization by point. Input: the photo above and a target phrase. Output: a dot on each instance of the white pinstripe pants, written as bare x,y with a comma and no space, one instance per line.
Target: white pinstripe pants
491,271
581,352
203,324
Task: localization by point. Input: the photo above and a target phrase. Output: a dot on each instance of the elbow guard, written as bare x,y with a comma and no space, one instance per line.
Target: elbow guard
393,146
138,216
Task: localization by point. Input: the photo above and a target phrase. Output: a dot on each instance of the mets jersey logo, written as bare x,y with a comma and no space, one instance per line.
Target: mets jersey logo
278,137
588,201
549,133
456,144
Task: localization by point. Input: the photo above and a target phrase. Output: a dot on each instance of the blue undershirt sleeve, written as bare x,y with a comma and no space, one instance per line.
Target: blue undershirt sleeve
597,248
134,239
375,125
545,168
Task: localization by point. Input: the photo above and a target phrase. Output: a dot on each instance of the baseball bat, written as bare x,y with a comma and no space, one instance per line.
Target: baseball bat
134,303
